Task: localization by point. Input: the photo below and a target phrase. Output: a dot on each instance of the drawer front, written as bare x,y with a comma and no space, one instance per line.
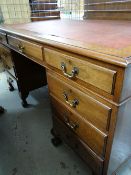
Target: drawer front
30,49
78,146
6,56
76,68
3,38
95,112
9,66
7,59
85,131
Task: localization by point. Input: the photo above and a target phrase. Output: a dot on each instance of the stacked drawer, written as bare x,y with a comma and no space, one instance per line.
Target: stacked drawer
7,60
75,108
6,57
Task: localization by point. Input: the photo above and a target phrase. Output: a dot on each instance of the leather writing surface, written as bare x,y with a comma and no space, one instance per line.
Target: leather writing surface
115,34
102,36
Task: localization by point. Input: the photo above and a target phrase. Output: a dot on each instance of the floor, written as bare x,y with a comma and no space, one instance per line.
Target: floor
25,139
125,168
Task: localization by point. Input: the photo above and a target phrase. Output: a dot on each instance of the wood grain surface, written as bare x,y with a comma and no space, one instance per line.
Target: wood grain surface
101,77
112,38
91,110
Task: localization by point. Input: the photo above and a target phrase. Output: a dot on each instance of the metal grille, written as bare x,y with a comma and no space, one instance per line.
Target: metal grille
72,9
19,11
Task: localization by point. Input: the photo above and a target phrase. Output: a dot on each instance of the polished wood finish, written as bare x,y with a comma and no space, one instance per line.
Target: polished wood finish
95,139
27,74
121,147
78,146
93,74
91,110
101,40
96,95
25,47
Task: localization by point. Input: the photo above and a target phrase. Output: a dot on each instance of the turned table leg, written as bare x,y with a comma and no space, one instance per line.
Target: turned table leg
10,83
23,96
56,141
2,110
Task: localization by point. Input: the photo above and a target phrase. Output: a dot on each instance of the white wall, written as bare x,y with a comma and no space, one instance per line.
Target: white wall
15,11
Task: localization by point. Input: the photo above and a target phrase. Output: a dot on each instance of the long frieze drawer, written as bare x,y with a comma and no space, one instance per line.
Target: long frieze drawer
92,110
95,162
75,68
28,48
95,139
3,38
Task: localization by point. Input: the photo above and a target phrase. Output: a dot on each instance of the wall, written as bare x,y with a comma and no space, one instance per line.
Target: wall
15,11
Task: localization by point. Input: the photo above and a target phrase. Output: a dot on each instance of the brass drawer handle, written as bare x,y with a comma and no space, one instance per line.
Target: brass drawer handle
21,48
71,125
73,73
73,103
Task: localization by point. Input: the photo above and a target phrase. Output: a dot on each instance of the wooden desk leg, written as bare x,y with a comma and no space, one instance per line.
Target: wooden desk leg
10,81
56,141
2,110
23,96
29,75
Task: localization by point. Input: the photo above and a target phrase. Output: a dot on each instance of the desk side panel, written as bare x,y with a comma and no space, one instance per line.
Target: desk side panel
126,90
121,148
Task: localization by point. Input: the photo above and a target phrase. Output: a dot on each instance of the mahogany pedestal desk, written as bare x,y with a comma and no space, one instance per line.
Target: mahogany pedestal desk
89,78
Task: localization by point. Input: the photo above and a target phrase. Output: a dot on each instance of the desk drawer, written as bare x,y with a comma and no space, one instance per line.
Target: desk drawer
78,146
26,47
3,38
7,59
86,132
92,110
98,76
